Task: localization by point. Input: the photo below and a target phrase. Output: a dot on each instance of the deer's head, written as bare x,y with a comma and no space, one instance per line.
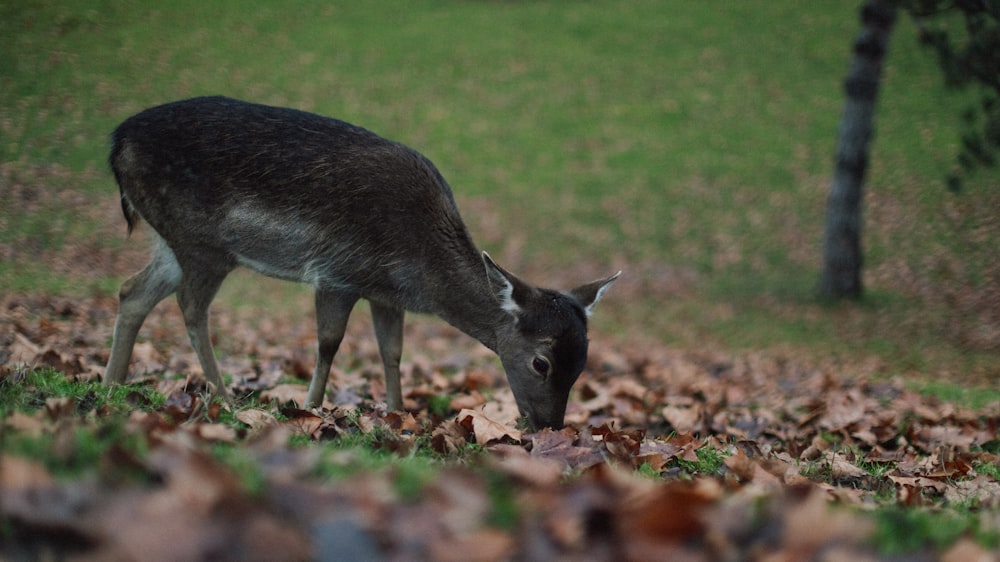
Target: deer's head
543,343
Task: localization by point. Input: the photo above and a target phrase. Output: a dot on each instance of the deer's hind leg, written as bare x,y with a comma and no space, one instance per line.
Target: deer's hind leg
137,297
199,283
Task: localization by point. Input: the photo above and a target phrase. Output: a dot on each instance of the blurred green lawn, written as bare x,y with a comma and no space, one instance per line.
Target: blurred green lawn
688,143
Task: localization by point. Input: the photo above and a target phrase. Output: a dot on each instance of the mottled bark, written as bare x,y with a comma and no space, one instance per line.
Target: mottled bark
842,256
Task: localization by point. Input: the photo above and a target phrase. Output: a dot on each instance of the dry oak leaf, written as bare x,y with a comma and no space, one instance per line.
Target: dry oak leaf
561,446
966,550
200,512
257,419
181,404
60,408
303,421
62,362
22,351
673,512
656,454
402,422
285,393
688,444
514,461
684,420
623,446
548,440
840,467
448,437
214,432
195,482
979,489
460,501
843,410
167,386
33,425
812,524
742,466
17,474
919,482
486,430
476,379
29,492
467,401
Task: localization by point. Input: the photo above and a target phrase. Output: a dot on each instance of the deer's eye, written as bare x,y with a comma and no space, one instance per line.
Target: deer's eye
541,365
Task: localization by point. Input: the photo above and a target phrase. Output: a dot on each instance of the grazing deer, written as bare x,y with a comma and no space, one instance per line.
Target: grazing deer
225,183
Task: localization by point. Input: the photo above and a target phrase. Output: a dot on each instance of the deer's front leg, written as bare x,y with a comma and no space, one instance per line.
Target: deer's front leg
389,332
332,312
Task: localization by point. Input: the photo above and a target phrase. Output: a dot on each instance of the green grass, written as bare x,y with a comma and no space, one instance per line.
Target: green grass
27,390
989,469
974,398
71,447
710,462
96,425
902,531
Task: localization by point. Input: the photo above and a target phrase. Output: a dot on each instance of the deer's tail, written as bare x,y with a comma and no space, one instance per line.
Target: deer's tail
119,161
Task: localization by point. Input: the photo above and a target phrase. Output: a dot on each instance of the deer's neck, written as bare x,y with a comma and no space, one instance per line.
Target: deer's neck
466,301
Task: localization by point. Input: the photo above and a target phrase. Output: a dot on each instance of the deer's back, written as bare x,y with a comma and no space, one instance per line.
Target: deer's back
289,193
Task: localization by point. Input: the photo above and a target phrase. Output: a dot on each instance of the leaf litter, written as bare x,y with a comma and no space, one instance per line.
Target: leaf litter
802,453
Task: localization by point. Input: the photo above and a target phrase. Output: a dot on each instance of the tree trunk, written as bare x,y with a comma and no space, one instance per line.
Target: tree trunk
842,257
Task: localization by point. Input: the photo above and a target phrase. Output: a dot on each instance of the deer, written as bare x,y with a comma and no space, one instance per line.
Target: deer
289,194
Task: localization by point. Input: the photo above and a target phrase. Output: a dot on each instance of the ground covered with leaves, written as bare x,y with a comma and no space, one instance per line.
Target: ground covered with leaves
666,455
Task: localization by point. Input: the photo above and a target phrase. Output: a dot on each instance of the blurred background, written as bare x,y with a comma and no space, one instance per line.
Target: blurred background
689,144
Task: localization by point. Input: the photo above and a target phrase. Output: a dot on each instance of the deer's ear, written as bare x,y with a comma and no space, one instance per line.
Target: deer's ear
588,295
509,290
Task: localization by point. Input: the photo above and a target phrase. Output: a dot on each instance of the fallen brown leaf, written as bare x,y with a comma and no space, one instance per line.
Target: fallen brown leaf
673,512
18,474
283,394
793,439
449,437
486,430
257,419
